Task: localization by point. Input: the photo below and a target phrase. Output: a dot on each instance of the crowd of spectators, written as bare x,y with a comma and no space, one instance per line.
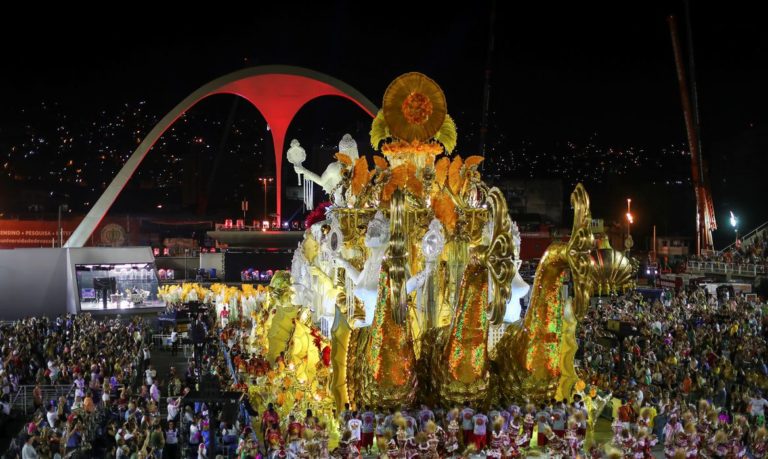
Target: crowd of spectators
752,252
669,353
110,402
686,370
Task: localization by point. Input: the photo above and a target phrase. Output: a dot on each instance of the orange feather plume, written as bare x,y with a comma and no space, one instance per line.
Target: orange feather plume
344,159
380,162
359,175
445,211
473,161
455,180
441,170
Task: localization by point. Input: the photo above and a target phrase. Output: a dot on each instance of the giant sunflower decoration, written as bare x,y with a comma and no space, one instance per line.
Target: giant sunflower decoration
414,107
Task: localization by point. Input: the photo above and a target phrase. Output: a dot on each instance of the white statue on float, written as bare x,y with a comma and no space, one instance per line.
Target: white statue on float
321,286
519,287
302,280
365,282
332,175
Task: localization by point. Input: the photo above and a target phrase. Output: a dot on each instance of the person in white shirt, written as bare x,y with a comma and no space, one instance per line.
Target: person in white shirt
467,426
150,374
51,416
757,407
28,451
355,426
480,430
174,342
369,425
558,420
173,408
154,392
543,418
410,425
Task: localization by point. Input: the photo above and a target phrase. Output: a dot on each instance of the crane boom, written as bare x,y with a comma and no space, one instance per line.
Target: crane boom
705,212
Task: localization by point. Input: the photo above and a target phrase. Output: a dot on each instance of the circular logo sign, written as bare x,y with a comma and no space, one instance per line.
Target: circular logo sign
628,242
113,234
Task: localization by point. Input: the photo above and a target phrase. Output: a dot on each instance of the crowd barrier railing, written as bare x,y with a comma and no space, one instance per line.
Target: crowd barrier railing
23,399
720,267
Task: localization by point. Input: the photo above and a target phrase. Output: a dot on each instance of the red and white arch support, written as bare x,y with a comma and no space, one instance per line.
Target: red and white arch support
278,92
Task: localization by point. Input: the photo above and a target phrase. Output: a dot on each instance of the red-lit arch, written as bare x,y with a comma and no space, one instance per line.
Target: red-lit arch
278,92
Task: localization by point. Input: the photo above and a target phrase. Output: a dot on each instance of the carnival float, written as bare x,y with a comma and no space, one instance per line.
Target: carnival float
404,275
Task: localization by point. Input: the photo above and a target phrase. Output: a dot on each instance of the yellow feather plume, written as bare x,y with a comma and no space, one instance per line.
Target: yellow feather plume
455,180
379,130
359,175
447,134
441,170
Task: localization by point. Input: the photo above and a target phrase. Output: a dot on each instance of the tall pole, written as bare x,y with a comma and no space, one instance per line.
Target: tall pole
265,201
654,243
61,235
628,241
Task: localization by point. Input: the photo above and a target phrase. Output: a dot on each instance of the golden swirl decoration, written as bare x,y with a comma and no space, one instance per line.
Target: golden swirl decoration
500,255
414,107
578,250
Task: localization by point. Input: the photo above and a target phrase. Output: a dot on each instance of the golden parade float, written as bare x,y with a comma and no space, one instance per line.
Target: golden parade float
411,268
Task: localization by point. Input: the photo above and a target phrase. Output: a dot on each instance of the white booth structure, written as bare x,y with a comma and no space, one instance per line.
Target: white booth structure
50,282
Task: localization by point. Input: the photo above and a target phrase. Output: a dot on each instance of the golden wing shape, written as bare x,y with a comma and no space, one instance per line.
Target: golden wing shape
500,258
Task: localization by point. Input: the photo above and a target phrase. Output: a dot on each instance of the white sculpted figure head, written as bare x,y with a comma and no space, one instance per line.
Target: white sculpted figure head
433,242
348,146
377,234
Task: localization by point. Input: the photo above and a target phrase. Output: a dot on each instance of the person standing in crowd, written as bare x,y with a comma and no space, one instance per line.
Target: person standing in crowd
467,426
172,441
28,450
369,425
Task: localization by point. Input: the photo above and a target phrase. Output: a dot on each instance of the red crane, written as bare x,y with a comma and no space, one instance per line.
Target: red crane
705,210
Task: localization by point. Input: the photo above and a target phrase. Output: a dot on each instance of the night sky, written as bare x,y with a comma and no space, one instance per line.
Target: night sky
559,75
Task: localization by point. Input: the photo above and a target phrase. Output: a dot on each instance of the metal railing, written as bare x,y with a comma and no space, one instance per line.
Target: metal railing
164,342
719,267
24,400
746,239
